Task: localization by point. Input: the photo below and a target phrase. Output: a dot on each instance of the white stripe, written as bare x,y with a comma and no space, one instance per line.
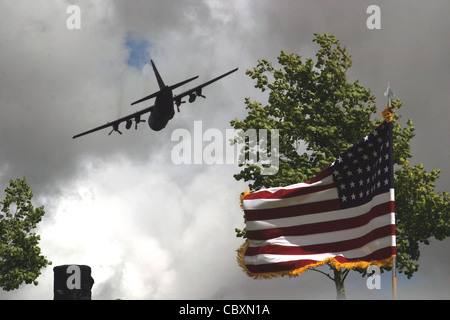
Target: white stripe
326,180
259,204
326,237
350,254
318,217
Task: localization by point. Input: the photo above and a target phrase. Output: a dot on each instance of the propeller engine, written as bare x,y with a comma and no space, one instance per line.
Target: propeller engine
178,103
115,128
129,124
193,96
138,120
199,93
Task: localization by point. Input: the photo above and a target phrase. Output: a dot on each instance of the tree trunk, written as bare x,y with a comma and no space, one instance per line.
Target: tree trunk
339,277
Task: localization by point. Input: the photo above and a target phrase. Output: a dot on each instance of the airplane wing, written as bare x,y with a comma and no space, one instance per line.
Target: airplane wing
197,91
115,124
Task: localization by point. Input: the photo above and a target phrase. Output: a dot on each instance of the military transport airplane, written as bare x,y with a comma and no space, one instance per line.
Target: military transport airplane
163,109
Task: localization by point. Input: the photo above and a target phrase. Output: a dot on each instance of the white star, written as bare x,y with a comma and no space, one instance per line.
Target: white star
359,170
350,154
342,186
352,184
344,198
353,196
386,182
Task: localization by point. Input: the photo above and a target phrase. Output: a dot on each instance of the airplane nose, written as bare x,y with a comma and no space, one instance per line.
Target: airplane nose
156,125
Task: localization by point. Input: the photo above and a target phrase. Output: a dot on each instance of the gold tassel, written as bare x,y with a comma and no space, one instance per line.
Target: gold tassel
241,198
387,114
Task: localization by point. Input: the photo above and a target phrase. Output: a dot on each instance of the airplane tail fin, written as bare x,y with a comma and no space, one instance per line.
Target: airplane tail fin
161,82
158,77
162,85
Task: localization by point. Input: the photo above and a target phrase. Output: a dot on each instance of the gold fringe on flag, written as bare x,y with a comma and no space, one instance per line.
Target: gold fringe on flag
241,198
293,273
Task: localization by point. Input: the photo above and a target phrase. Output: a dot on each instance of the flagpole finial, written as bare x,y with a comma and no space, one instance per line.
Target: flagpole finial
389,93
387,114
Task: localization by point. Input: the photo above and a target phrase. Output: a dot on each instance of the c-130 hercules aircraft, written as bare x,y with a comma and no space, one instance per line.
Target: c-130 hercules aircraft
163,109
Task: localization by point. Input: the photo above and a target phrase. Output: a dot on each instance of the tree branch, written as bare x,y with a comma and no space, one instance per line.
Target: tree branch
345,274
322,273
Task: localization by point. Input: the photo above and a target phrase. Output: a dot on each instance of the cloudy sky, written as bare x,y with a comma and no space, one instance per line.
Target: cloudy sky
151,229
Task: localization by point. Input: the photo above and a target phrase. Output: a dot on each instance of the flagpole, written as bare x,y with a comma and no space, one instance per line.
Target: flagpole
389,94
394,278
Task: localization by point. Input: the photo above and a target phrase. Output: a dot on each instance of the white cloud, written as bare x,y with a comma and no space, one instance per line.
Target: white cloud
144,235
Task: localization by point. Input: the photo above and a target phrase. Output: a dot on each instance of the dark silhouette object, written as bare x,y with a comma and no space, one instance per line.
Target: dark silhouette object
72,282
163,109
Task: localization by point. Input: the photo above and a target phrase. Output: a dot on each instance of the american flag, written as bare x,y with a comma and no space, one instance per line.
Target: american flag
344,215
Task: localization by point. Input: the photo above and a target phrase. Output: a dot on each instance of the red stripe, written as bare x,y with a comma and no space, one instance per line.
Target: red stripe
289,193
321,227
292,211
321,175
380,254
346,245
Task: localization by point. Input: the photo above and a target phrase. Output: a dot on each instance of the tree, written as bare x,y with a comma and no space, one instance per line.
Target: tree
20,259
315,107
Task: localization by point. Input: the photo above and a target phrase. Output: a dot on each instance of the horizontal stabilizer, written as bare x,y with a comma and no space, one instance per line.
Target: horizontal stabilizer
146,98
182,83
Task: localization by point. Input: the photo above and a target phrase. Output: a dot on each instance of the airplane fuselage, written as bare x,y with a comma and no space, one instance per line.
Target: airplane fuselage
163,110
